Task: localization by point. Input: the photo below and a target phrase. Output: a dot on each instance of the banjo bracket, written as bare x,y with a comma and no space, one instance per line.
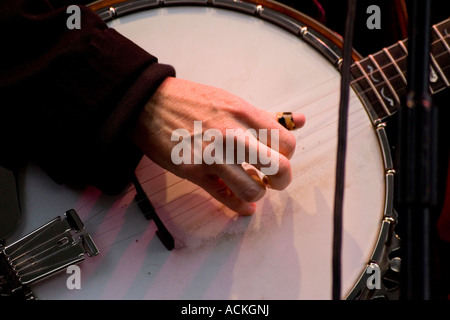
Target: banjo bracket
43,252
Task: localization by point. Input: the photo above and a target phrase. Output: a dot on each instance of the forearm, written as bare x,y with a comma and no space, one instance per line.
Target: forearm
71,97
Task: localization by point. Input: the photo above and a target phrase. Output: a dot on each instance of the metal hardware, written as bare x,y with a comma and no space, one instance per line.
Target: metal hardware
386,258
43,252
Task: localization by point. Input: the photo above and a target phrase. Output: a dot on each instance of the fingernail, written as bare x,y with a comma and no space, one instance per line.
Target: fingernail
299,120
249,209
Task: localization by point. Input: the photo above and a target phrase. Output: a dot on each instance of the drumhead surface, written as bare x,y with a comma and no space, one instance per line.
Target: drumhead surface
283,251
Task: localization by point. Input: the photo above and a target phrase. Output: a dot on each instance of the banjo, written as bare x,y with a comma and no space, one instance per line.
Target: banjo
277,59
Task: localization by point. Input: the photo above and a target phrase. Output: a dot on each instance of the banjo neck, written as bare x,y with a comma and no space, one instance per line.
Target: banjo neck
381,77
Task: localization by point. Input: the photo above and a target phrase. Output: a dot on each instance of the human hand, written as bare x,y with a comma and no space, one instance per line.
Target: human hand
178,104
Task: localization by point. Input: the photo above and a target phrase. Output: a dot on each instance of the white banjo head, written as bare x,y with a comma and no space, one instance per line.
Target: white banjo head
283,251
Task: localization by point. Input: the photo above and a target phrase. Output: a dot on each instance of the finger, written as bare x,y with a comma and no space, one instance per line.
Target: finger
291,121
257,118
278,174
274,165
219,190
244,183
268,127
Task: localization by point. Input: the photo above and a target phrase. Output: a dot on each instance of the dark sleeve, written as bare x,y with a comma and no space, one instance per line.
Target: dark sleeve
69,98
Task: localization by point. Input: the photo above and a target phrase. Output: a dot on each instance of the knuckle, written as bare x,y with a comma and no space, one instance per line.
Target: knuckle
284,168
288,143
223,192
240,109
283,177
252,193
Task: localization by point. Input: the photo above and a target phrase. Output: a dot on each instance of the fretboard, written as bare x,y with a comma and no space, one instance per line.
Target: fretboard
381,77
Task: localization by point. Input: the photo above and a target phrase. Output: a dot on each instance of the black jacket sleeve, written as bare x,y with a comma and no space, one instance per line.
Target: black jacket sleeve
69,98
